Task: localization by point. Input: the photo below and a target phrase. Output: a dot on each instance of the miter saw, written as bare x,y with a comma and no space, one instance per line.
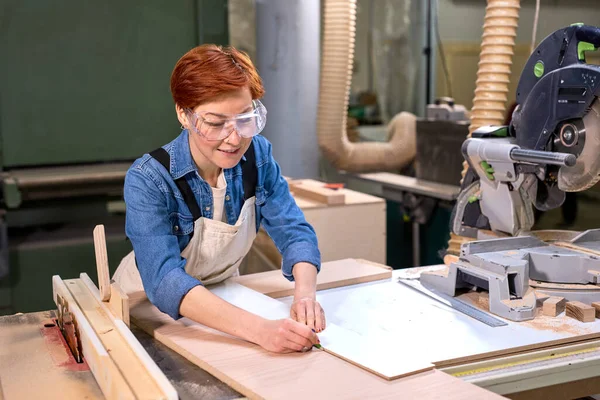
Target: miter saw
552,146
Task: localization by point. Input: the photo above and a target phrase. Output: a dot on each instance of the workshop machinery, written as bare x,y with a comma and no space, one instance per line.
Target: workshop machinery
85,91
550,147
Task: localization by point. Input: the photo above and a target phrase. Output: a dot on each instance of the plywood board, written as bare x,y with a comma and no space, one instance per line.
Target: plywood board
259,374
338,341
378,311
332,274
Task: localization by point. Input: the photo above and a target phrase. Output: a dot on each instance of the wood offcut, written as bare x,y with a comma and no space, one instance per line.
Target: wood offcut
102,262
581,312
554,306
317,192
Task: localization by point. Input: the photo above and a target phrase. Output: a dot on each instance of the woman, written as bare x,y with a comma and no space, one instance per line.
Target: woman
194,207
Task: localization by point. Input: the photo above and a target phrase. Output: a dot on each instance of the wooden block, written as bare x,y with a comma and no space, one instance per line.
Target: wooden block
450,258
553,306
317,192
580,311
596,306
102,262
119,303
540,298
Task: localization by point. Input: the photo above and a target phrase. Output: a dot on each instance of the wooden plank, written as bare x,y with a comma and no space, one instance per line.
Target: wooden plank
554,306
119,303
106,372
596,306
102,262
133,370
259,374
315,191
333,274
580,311
133,353
157,375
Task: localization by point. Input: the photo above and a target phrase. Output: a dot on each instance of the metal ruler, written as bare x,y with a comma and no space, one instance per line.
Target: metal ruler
456,304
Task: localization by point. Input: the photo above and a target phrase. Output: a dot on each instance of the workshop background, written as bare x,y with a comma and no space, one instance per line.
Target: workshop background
84,90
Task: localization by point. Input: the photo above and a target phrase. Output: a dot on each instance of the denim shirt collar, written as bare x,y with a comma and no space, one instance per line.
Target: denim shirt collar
182,162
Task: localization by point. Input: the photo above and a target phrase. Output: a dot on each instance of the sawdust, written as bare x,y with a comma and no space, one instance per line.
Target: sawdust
560,324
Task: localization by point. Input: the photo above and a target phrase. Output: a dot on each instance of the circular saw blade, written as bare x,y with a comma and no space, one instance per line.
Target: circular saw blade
586,171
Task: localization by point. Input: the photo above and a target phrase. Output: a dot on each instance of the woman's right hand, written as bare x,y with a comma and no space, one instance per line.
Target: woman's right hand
287,336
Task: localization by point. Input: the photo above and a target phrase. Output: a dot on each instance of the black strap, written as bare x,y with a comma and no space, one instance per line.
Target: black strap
249,173
249,178
163,157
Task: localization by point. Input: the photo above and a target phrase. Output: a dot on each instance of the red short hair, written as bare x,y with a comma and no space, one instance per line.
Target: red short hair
208,72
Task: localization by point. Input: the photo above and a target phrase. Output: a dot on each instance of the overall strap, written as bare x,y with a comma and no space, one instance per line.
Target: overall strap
249,178
163,157
249,173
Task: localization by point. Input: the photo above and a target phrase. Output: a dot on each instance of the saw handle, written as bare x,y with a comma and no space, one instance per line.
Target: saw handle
543,157
588,34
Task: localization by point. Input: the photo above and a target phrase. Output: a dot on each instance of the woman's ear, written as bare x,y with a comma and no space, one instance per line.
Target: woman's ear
181,116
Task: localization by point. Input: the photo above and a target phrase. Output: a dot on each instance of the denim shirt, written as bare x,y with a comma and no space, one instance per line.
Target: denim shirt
159,223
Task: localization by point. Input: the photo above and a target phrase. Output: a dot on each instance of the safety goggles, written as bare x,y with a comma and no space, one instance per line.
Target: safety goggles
215,126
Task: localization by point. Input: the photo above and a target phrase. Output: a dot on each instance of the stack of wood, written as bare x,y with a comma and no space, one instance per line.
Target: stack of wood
553,306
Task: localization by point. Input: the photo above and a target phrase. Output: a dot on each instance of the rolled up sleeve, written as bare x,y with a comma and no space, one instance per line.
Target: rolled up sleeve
157,253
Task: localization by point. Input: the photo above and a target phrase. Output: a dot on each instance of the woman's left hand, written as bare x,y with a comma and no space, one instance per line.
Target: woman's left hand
308,311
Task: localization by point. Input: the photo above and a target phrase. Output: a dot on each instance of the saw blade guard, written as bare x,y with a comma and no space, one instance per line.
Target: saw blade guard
586,171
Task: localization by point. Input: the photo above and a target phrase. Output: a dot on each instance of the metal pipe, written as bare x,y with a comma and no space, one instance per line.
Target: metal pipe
543,157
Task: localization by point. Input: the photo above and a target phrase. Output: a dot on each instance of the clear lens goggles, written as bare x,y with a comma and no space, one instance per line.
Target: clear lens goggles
215,126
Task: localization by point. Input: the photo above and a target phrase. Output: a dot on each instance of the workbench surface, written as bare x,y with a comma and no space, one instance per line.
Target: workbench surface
35,363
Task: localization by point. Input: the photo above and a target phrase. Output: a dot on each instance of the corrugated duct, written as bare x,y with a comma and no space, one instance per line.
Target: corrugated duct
495,62
339,23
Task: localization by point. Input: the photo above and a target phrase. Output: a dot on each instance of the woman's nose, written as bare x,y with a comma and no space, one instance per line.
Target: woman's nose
234,137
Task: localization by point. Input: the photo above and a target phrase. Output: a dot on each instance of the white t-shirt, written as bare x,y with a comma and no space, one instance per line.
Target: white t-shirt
219,199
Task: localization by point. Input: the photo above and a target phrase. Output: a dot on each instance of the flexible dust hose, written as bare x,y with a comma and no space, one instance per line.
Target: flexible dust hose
495,61
339,29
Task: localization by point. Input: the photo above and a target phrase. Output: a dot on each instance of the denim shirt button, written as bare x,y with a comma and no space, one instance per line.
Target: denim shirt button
227,198
176,227
207,208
